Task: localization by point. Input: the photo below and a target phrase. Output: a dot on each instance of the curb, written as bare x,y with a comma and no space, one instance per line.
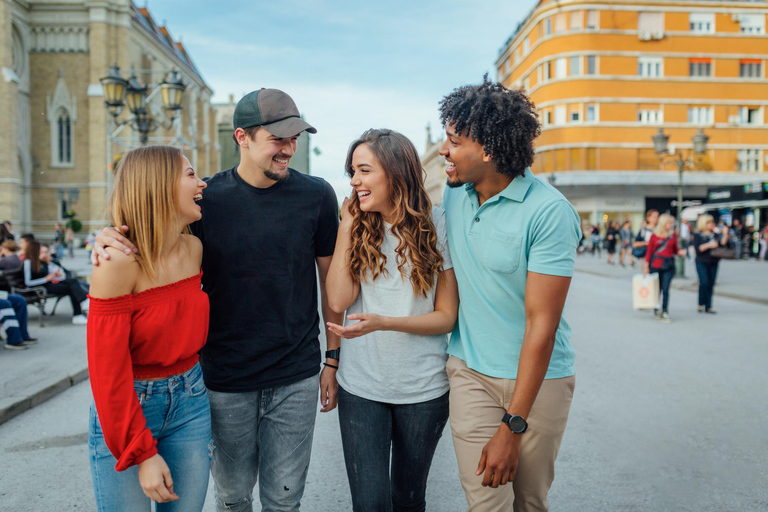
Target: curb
744,298
12,406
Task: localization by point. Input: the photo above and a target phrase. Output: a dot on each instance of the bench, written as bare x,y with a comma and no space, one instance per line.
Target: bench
35,295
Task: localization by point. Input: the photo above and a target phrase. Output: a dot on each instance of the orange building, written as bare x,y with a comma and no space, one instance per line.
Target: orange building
607,74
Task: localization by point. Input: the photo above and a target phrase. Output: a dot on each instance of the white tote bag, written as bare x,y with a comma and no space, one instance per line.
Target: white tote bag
645,291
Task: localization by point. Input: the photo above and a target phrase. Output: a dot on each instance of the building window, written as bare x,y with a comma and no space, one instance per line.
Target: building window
751,68
527,84
751,115
561,68
64,138
575,114
591,113
575,66
506,67
547,117
526,45
593,20
752,23
749,160
561,23
591,64
650,116
545,71
702,22
548,26
649,67
650,22
701,115
700,67
577,18
560,115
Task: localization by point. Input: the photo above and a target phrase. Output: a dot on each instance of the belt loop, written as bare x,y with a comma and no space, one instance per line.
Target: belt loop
149,388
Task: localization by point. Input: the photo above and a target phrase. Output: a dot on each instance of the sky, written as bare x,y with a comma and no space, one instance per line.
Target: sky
349,65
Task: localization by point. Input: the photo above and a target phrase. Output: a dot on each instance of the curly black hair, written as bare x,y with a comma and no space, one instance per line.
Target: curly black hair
504,121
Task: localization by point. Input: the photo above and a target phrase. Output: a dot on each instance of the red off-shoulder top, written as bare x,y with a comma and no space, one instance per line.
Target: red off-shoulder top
147,335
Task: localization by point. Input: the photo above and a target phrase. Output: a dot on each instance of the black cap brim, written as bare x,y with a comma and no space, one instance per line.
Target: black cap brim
289,127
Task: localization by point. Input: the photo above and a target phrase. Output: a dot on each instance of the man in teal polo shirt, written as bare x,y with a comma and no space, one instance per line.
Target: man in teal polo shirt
513,240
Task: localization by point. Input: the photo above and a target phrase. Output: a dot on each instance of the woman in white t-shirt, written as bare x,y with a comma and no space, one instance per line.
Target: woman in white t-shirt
391,272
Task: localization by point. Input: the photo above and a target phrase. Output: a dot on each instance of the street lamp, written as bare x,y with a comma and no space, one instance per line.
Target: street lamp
118,91
660,141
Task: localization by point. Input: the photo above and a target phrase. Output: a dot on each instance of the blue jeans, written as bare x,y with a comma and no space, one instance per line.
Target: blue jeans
266,436
13,317
178,414
707,276
370,431
665,280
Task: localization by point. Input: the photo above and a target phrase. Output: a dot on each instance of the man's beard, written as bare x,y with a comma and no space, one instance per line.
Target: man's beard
275,176
454,184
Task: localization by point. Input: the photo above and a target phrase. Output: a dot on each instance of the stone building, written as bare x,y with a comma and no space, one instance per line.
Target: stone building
434,167
54,139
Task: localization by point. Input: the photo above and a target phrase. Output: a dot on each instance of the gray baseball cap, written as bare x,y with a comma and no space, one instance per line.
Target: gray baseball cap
273,110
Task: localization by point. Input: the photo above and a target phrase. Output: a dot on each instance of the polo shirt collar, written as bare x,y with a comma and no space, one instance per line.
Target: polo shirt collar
515,191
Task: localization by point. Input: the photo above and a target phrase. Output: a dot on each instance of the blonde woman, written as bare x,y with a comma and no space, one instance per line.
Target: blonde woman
660,258
149,428
706,265
392,273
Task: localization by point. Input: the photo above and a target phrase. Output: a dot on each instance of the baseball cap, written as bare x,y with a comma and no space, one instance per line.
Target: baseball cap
273,110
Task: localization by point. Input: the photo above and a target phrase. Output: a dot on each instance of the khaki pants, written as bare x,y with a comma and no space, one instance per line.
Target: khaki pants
477,404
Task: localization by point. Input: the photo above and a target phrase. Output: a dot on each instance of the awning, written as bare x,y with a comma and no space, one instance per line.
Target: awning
759,203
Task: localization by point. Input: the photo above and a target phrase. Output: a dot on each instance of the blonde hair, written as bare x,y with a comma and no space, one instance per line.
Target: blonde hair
10,245
145,199
703,220
661,225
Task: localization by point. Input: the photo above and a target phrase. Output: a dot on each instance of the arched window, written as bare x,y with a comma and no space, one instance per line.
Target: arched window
64,138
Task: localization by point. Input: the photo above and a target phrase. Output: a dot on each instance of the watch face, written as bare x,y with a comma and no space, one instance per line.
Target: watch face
516,423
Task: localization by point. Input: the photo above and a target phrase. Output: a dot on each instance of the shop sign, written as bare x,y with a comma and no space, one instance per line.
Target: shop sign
750,191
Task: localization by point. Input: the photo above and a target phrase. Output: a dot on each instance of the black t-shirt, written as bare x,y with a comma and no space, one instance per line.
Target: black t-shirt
259,250
705,256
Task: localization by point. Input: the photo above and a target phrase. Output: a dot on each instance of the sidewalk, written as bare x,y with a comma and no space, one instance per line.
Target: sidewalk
743,280
57,362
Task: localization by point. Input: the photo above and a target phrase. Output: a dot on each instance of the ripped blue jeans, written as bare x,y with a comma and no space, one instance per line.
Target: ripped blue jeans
178,414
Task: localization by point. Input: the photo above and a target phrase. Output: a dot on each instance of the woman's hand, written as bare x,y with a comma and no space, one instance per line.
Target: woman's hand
369,322
50,277
646,269
346,215
155,479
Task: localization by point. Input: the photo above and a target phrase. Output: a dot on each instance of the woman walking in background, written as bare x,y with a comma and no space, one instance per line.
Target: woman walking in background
611,239
392,273
150,424
660,259
705,240
595,239
627,237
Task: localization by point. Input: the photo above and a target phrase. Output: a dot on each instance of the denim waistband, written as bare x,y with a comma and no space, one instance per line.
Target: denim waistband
149,387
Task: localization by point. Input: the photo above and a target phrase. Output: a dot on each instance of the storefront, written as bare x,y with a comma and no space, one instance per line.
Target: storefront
748,203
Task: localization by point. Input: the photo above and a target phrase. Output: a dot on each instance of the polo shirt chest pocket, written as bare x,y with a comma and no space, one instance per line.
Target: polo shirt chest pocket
502,251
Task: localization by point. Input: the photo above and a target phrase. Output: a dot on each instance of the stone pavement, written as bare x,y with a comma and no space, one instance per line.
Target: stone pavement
57,362
744,279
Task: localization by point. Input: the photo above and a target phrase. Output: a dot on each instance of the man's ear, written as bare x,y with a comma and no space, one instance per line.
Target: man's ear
487,158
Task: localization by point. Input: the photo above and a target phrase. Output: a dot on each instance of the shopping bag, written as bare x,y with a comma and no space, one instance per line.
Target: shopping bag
645,291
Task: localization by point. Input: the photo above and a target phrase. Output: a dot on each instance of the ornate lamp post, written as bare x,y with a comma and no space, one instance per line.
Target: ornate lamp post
660,141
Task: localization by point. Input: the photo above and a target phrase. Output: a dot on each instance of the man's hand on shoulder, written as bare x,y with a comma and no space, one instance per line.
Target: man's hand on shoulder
111,237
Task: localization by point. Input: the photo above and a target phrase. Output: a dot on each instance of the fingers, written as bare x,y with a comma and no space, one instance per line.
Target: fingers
357,316
481,465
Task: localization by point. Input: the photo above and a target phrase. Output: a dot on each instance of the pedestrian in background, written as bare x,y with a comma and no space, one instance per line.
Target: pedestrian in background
595,240
5,234
659,259
611,239
69,240
685,236
705,240
627,238
392,273
737,237
640,246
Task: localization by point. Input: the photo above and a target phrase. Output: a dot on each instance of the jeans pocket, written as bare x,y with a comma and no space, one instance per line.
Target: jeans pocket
197,388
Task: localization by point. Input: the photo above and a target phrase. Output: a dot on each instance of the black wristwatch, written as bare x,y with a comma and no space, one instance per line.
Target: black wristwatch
516,424
333,354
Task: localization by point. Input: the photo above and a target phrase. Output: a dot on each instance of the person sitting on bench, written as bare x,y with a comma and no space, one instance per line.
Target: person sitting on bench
54,280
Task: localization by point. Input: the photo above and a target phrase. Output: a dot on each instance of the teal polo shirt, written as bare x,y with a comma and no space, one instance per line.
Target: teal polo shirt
527,227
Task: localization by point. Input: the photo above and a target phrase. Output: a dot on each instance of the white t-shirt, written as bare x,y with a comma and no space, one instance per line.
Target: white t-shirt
389,366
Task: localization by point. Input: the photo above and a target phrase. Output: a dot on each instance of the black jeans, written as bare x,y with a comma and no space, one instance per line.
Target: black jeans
665,280
71,288
370,431
707,276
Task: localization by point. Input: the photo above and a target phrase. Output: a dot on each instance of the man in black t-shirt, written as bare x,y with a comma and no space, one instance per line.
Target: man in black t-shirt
265,227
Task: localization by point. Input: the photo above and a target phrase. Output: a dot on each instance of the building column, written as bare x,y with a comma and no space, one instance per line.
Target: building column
10,181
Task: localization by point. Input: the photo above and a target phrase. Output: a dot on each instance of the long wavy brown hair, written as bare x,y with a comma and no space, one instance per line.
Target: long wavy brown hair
411,216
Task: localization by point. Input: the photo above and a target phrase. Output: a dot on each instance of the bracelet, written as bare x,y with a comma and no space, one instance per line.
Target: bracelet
331,365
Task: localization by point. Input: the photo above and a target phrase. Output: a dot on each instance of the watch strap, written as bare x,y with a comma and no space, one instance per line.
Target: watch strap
513,419
333,354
